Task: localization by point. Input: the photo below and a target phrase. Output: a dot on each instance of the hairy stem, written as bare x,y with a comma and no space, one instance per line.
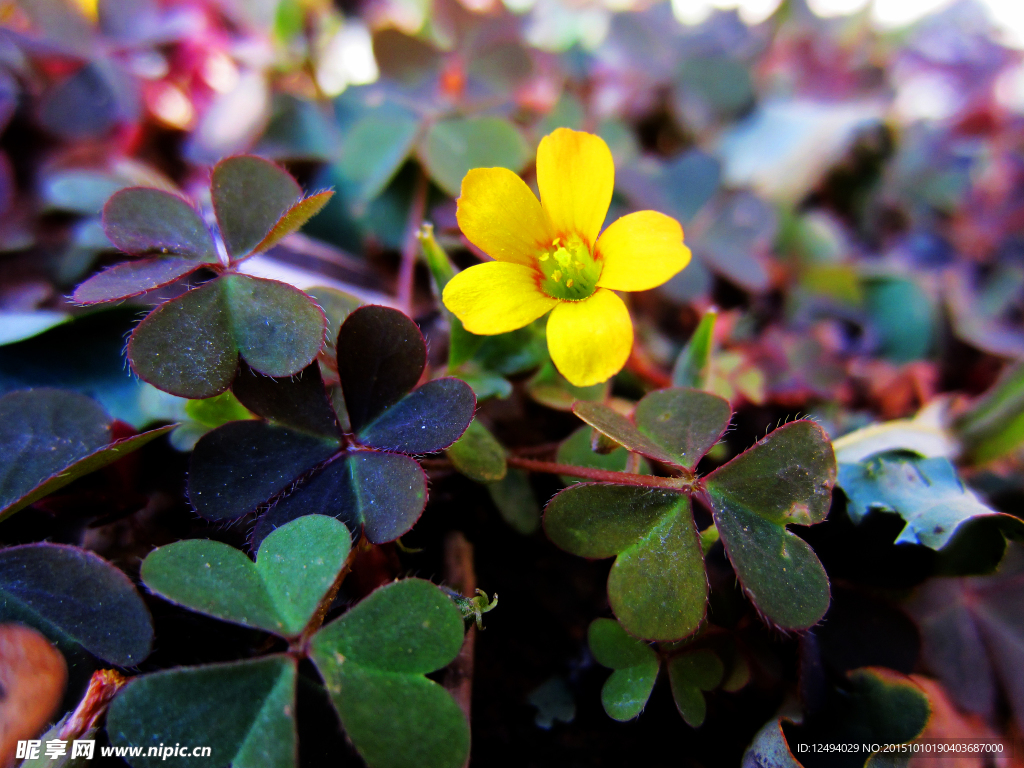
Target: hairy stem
325,603
411,244
461,576
601,475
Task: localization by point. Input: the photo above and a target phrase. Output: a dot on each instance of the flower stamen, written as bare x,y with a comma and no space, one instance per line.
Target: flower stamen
570,270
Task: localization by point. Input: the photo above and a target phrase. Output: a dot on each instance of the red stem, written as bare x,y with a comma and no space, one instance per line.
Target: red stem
602,475
410,246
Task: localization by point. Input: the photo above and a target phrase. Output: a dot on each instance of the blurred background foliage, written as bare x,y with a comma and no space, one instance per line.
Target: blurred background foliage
850,178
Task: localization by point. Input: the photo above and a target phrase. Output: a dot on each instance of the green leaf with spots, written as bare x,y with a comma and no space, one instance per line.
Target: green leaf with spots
294,569
243,710
190,346
689,674
635,665
657,584
784,479
373,660
657,587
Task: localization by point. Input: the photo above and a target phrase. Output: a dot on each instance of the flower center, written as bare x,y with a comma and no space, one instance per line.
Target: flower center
570,271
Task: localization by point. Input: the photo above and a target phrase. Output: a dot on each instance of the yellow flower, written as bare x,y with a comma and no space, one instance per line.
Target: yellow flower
548,256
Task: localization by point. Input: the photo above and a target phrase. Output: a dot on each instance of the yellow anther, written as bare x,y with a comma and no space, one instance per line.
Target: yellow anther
556,275
545,256
568,283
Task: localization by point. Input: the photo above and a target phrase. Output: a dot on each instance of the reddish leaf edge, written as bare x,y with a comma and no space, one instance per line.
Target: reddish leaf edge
188,201
126,265
64,477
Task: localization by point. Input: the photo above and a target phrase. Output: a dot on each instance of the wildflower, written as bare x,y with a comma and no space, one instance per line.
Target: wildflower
548,256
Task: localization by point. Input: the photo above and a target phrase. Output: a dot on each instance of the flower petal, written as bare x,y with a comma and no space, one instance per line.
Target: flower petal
496,297
502,217
641,251
575,174
590,340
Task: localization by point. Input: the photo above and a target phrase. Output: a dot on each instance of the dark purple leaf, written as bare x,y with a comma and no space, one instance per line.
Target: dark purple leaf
381,354
382,493
250,195
299,401
90,102
241,465
428,419
42,431
72,595
51,437
132,278
140,220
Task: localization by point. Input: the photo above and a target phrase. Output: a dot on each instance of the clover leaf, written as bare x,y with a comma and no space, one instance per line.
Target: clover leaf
657,587
161,226
242,709
674,426
298,459
256,204
51,438
77,599
636,665
373,660
690,674
295,567
785,478
190,346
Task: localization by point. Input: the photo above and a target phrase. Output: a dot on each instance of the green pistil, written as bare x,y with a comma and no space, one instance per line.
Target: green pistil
570,271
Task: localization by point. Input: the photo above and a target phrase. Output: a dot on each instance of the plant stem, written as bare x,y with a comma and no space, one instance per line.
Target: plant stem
325,602
461,576
602,475
642,366
411,244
